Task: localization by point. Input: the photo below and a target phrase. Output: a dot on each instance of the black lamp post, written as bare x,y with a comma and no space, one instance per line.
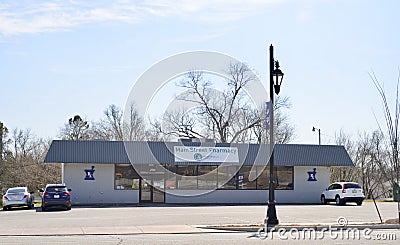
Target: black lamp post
275,79
319,134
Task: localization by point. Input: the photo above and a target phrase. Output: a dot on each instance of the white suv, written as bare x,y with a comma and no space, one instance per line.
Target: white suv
342,192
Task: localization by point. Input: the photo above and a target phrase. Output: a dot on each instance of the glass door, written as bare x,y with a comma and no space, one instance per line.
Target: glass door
158,189
152,189
145,190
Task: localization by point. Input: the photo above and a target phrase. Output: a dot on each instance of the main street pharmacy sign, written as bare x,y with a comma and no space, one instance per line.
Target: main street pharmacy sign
205,154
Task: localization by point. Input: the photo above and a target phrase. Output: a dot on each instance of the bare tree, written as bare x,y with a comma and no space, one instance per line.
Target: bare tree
370,160
25,165
156,131
376,173
75,129
392,124
4,153
114,127
220,109
4,141
225,116
369,155
345,173
3,135
176,123
133,126
284,130
110,127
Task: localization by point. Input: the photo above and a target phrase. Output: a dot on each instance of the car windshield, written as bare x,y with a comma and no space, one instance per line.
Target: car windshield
16,191
352,185
56,189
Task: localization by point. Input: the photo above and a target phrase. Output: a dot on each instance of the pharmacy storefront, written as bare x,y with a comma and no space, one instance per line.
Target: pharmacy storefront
115,172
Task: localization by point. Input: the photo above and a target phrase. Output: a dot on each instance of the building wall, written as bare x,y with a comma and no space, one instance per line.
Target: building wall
101,190
304,191
97,191
310,191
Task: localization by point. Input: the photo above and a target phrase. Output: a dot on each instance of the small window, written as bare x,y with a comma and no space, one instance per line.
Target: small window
352,186
56,189
207,177
337,186
243,178
227,176
283,175
170,176
263,177
16,191
186,177
125,177
284,178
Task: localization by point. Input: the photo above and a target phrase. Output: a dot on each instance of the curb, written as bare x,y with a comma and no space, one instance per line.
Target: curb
316,227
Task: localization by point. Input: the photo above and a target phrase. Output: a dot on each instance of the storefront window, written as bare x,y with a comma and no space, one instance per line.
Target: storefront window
170,176
285,178
184,177
207,177
243,181
125,177
263,177
227,177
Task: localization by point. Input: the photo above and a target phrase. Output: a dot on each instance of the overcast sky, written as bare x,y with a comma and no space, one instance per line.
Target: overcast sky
62,58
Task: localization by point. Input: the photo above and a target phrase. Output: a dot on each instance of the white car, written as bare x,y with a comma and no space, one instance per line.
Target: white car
17,197
343,192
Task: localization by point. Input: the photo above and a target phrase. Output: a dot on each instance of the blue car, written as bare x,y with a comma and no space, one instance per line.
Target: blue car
56,195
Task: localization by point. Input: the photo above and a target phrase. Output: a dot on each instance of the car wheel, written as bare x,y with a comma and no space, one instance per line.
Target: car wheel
338,201
28,206
43,208
359,203
5,208
323,200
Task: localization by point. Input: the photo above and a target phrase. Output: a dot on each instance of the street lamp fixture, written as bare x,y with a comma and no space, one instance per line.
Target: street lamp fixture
278,77
275,81
319,134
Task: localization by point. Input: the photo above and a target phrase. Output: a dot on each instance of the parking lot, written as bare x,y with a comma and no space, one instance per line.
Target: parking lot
103,220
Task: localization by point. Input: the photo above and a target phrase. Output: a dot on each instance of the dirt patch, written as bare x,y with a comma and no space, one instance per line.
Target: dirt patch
392,221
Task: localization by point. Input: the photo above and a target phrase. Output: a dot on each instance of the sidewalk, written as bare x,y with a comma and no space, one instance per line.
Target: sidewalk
122,230
176,229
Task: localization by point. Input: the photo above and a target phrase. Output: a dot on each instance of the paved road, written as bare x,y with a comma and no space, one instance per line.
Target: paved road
114,223
192,215
385,237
